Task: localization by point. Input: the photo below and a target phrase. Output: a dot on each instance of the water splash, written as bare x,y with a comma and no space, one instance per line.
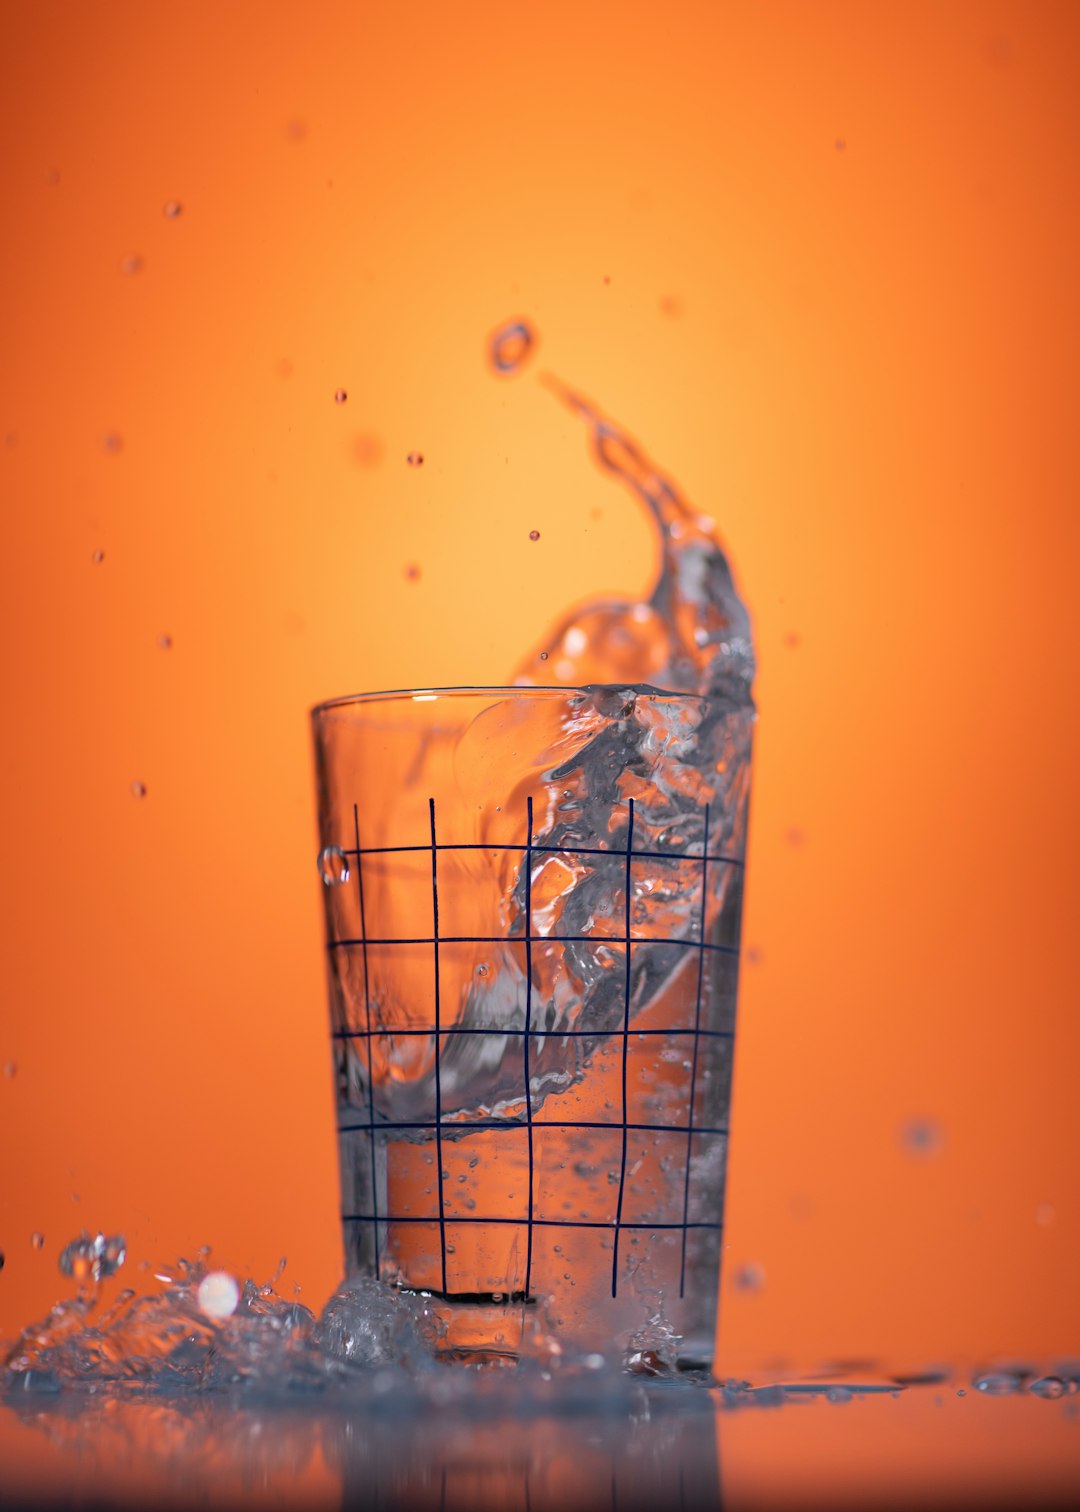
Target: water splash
692,634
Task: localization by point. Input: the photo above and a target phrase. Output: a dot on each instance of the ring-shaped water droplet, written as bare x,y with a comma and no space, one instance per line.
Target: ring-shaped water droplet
509,346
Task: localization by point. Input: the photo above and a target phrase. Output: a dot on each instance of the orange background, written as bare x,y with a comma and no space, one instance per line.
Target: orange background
861,358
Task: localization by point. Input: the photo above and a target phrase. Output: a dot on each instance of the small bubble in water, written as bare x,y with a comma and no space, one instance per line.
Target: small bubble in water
333,866
509,346
340,396
133,263
172,209
474,1162
37,1240
534,535
482,969
138,789
749,1277
839,1394
415,459
218,1295
1048,1386
921,1137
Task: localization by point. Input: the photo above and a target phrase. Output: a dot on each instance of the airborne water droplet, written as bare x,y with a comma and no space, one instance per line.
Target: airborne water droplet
218,1295
333,866
37,1240
415,459
138,789
921,1137
509,346
165,642
98,557
749,1277
340,396
534,535
172,209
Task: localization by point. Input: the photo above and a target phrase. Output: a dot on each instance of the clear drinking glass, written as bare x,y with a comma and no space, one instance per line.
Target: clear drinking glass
533,902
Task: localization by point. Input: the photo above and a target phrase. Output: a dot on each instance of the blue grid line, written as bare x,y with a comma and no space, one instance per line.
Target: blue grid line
519,1123
693,1067
582,1223
593,939
625,1055
528,1029
438,1041
367,1011
384,1032
553,850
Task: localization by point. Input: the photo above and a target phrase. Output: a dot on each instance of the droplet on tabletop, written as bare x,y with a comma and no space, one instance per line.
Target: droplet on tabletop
998,1383
340,396
172,209
839,1394
415,459
138,789
1048,1386
509,346
218,1295
333,866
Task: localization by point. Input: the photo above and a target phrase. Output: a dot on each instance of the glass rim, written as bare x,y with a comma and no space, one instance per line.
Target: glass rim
525,690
